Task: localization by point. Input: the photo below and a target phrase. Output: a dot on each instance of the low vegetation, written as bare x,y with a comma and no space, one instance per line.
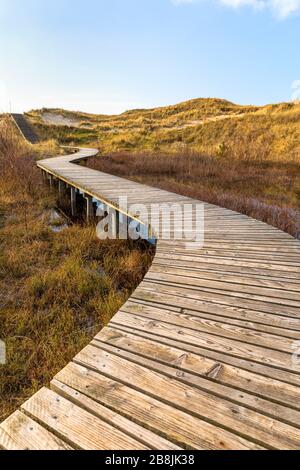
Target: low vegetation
57,288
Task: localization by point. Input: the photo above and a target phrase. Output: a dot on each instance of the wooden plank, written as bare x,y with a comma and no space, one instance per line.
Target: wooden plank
136,306
244,364
220,372
173,424
202,272
142,434
268,267
236,270
193,279
217,328
263,256
76,426
242,421
185,303
225,295
237,348
223,298
19,432
140,353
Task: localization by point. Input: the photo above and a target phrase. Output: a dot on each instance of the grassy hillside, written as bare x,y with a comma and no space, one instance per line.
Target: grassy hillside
210,126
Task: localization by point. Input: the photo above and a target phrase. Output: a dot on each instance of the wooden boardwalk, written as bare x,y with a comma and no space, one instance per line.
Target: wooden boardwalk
25,128
200,357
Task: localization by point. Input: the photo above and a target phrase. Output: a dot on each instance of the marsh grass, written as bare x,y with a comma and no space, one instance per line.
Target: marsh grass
57,290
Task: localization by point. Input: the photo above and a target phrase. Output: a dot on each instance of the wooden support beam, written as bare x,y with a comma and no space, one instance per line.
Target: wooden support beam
73,202
90,212
117,222
61,187
44,176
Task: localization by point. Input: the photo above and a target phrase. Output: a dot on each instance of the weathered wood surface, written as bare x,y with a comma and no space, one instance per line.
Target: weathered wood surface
201,355
25,128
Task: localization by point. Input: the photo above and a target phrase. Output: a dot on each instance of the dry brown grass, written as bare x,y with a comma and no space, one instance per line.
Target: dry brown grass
263,189
56,289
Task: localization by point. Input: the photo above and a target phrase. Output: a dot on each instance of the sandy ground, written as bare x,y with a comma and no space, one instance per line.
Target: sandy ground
59,120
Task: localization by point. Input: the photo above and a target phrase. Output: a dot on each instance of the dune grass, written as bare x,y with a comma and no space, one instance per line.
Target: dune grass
57,290
210,126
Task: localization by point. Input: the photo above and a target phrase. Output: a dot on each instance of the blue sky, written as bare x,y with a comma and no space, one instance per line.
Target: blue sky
106,56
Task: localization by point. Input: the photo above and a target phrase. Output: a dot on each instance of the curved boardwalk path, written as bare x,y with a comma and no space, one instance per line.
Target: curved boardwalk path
200,357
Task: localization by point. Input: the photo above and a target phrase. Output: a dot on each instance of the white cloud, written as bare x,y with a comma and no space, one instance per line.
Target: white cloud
257,4
281,8
285,8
